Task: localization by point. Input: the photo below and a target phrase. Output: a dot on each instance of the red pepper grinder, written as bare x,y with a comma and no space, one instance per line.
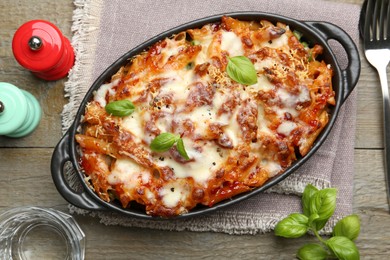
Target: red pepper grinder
40,47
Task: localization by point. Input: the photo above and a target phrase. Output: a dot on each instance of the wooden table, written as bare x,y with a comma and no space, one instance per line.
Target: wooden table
25,178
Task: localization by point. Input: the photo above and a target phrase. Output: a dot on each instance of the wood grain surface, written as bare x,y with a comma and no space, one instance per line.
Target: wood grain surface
25,178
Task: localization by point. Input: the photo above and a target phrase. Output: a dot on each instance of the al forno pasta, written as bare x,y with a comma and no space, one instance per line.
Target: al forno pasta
219,136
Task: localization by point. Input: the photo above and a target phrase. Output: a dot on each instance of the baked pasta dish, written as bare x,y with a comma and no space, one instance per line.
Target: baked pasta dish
205,115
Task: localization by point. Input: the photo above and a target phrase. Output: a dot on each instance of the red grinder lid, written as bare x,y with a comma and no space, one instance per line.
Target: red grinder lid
38,45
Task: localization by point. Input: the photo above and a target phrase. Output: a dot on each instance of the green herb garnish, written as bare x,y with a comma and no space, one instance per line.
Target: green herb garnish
164,141
297,34
180,148
241,70
342,248
318,206
120,108
195,42
348,227
312,251
190,65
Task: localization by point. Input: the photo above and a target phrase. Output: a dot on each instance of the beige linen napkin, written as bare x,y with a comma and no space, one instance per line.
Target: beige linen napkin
106,29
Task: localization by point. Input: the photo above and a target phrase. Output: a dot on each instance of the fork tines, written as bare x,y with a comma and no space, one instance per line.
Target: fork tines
377,20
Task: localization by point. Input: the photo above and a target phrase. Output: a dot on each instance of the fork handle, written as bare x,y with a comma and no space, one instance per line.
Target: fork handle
386,126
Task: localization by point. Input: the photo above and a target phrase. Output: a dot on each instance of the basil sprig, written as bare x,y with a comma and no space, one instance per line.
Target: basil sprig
318,206
241,70
120,108
164,141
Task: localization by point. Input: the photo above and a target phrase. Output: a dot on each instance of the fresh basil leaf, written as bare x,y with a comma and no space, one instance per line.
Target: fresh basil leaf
293,226
312,252
163,142
120,108
343,248
308,193
241,70
180,148
313,217
323,203
348,227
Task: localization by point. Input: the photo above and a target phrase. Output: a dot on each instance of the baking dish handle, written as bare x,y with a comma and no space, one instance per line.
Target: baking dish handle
59,158
350,75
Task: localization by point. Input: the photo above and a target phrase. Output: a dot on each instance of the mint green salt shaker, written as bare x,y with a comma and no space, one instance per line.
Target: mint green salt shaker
20,112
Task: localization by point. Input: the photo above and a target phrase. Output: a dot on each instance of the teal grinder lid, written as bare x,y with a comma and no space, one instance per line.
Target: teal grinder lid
20,112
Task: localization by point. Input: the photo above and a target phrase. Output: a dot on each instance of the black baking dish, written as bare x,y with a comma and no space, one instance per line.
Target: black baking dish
344,81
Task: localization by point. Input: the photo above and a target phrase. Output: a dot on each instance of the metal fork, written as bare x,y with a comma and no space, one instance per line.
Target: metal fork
377,50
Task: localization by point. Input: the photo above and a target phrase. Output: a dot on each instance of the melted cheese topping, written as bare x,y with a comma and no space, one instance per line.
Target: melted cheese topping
125,172
104,91
204,162
236,136
286,128
133,124
172,194
232,44
278,42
